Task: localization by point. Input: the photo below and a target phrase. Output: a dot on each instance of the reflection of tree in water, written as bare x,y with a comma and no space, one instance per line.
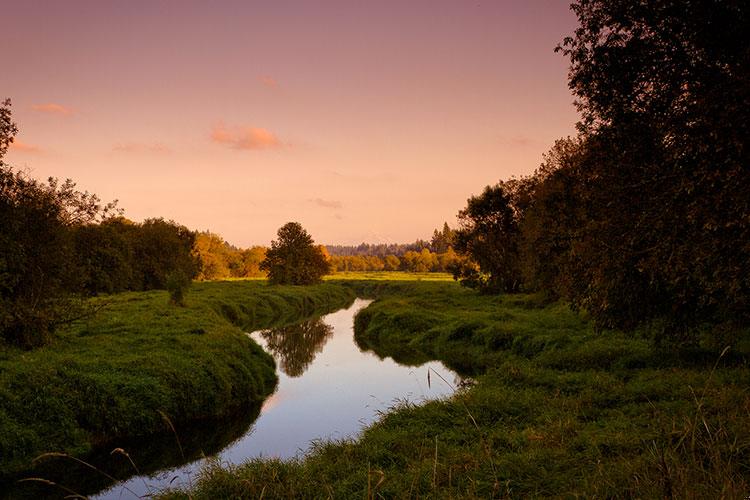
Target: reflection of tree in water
295,346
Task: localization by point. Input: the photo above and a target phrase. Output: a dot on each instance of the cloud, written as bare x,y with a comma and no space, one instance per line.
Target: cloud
23,147
52,109
141,147
326,203
246,138
518,141
269,81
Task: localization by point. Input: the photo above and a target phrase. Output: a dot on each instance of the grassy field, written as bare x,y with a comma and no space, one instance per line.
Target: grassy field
117,372
387,276
557,410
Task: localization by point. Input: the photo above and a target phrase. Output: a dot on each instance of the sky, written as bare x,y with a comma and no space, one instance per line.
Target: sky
366,121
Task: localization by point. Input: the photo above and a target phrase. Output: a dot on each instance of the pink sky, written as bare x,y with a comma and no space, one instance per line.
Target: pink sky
364,121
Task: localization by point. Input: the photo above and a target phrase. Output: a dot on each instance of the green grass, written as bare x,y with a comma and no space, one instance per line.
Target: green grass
387,276
115,373
558,410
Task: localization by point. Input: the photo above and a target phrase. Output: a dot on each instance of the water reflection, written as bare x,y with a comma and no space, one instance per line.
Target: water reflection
294,347
151,456
328,389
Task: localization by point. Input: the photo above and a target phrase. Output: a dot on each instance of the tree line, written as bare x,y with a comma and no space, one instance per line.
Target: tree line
423,261
60,244
643,218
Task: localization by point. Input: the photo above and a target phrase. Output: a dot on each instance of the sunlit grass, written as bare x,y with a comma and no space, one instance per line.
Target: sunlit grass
558,410
112,374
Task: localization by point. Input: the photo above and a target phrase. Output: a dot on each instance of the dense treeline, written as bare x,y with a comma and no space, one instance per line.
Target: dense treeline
423,261
436,255
218,259
439,243
60,244
117,254
644,217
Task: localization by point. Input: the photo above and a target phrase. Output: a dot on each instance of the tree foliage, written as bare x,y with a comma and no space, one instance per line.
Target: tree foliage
60,244
488,234
38,275
645,216
294,259
664,90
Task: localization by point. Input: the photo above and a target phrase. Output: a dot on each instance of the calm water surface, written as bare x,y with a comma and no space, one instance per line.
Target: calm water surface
328,389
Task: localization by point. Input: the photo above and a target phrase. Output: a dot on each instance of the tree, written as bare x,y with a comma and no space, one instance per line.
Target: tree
294,259
162,248
442,240
664,223
392,263
39,278
214,256
489,237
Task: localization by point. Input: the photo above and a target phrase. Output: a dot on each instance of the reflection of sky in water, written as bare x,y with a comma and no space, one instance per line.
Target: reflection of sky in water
341,391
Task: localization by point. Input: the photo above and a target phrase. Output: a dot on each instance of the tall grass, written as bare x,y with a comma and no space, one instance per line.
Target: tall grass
558,410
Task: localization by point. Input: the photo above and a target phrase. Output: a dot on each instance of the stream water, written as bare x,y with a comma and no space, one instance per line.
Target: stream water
328,389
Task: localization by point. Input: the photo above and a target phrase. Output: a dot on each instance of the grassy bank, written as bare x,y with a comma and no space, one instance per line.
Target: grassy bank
115,374
557,410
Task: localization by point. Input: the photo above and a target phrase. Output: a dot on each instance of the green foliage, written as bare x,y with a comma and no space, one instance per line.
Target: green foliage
488,236
38,275
108,376
162,247
293,259
60,243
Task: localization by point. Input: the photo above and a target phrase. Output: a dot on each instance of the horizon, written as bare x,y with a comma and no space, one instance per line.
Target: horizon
365,123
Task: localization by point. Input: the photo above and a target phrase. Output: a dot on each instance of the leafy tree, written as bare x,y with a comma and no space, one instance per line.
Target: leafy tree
250,259
443,239
391,263
38,275
294,259
163,247
489,237
105,257
214,256
663,183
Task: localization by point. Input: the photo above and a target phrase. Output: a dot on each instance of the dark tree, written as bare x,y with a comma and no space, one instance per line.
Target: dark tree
105,256
294,259
488,235
663,185
443,239
38,274
162,248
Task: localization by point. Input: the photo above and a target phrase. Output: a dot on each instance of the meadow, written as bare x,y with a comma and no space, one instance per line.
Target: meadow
556,409
141,365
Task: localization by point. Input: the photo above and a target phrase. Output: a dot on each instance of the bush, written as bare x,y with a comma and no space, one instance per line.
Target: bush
177,284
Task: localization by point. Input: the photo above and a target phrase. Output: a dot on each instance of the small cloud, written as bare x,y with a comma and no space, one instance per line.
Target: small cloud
269,81
23,147
52,109
517,141
142,147
247,138
326,203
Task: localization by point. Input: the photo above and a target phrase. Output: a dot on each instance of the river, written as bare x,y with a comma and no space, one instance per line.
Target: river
328,389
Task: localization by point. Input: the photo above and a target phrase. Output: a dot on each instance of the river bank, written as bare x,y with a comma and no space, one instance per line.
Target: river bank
141,365
558,410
